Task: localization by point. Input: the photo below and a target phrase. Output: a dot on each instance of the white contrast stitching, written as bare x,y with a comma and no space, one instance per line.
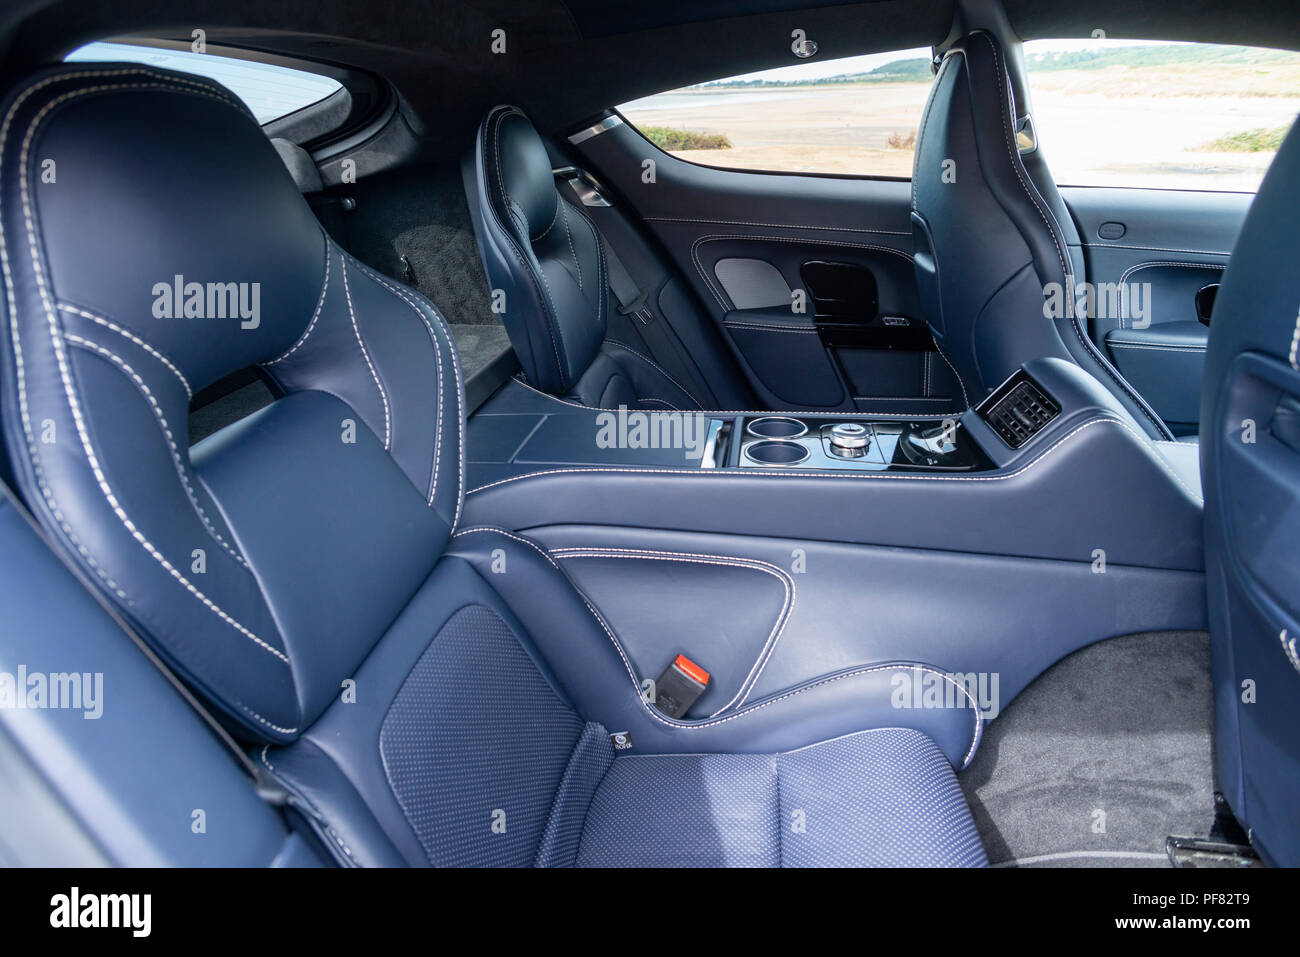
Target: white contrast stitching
20,371
320,304
733,222
1123,279
733,324
1158,249
321,820
554,216
754,564
436,342
388,426
258,718
1289,649
657,367
167,434
573,250
1004,83
60,353
494,134
1295,342
656,715
456,375
127,334
1126,344
602,280
961,383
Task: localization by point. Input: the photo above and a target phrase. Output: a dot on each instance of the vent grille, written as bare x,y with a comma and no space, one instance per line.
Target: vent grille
1020,414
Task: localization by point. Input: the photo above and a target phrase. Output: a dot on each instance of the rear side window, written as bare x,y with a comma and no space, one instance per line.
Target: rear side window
857,115
269,91
1199,116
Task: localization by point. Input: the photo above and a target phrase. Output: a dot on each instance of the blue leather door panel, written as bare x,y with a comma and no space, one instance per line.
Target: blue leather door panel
703,215
1165,363
784,356
1171,244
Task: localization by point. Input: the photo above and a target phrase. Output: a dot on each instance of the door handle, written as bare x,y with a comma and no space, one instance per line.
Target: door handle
1205,301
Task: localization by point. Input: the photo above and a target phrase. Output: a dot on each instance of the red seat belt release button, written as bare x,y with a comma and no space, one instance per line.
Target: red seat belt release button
680,686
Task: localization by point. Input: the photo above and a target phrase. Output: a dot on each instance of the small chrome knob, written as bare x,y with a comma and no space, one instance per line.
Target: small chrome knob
850,439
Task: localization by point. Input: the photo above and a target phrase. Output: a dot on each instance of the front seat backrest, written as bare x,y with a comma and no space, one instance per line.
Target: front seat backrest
996,248
144,272
1250,466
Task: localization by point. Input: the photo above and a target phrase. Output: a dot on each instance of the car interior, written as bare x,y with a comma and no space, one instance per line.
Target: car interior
410,459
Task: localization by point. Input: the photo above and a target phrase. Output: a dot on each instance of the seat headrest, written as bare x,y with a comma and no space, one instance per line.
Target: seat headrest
152,242
523,171
154,198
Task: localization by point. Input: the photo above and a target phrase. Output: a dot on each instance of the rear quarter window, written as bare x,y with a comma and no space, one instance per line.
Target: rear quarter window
1200,116
855,115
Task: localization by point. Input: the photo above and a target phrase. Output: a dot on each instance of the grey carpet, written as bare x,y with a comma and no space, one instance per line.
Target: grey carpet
1123,727
422,214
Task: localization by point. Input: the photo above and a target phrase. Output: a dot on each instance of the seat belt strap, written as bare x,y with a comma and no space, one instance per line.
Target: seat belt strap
631,300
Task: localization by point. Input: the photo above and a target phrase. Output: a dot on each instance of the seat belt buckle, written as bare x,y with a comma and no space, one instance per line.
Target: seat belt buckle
637,309
680,686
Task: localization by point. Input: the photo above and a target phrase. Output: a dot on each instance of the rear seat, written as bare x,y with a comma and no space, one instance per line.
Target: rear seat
581,327
430,694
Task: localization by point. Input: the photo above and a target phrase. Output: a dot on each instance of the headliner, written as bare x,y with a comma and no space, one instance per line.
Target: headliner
569,59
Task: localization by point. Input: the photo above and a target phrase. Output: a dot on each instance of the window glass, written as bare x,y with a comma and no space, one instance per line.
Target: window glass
854,115
270,92
1175,115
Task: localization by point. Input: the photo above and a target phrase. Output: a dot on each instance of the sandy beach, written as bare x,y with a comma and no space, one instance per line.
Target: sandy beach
1117,126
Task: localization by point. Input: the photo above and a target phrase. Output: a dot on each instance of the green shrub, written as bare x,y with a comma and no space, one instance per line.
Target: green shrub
1248,141
670,140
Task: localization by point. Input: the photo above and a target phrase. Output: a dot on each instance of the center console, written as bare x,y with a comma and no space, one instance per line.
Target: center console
1014,413
799,442
993,541
1046,466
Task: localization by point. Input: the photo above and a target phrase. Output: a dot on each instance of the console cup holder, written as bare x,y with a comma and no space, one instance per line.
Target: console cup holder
776,452
776,427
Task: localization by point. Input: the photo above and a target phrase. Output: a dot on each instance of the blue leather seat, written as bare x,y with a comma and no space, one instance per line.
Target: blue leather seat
992,232
430,694
547,257
1250,463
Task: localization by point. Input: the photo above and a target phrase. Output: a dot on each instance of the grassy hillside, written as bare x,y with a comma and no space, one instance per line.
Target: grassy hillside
1192,57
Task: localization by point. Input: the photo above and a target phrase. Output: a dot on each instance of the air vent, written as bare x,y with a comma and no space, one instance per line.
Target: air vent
1020,414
